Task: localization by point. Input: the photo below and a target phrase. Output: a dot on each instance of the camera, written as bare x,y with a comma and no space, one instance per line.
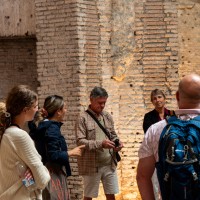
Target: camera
116,143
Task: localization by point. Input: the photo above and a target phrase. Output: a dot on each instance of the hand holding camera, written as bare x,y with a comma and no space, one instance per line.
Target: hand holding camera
117,143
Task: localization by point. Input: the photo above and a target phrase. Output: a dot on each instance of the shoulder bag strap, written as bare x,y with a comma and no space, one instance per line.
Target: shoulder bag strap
100,125
105,131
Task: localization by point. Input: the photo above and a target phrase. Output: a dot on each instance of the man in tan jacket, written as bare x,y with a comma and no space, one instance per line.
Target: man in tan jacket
98,162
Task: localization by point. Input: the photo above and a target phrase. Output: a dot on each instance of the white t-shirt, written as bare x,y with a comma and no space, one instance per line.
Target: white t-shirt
150,142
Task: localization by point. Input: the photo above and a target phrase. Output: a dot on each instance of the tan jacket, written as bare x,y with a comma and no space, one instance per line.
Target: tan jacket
86,134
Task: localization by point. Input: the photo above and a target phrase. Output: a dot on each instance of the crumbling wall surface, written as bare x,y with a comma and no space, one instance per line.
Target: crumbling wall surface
17,64
157,45
189,36
90,68
68,62
127,84
17,18
145,56
58,65
17,45
94,30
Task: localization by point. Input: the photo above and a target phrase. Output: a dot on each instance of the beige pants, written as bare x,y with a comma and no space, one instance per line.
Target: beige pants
107,176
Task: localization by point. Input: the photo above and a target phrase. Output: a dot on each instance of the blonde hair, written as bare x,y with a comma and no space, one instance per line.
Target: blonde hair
51,105
2,107
157,92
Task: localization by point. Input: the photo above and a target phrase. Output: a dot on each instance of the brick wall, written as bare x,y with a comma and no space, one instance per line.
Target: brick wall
58,65
156,53
90,69
126,83
188,34
128,47
17,64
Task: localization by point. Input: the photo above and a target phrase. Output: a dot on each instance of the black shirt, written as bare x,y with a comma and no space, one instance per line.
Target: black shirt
152,117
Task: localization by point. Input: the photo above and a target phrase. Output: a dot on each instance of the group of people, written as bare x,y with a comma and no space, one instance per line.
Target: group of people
188,101
44,154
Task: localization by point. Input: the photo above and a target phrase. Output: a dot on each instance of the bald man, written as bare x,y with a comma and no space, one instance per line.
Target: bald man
188,100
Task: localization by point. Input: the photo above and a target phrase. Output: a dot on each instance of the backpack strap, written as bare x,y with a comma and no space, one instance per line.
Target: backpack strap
160,144
193,124
173,120
170,121
171,113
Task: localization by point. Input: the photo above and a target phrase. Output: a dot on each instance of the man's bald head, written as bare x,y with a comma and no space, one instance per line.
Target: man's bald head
188,94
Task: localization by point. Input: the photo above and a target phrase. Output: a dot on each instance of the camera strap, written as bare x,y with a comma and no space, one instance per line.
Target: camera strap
104,130
100,125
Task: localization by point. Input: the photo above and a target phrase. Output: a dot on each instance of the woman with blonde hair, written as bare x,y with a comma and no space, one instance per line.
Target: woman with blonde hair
16,147
2,107
51,145
160,112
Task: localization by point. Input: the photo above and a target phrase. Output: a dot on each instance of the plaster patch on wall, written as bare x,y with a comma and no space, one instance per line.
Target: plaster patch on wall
186,6
119,73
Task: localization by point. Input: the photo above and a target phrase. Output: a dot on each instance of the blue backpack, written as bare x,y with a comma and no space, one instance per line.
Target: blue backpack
178,168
